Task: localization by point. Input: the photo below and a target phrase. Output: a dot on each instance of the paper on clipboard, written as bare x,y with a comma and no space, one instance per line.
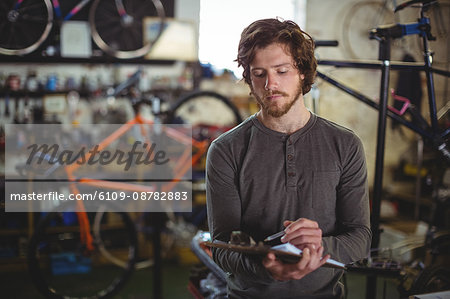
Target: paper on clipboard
286,252
288,247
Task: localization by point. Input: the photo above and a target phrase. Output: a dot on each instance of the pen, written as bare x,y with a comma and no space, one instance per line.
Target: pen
274,236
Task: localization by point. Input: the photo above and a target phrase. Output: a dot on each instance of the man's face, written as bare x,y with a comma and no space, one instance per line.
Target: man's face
275,81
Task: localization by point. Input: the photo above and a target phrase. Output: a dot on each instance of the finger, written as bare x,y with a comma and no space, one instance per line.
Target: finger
301,222
324,260
303,236
305,233
271,256
269,259
306,258
316,252
320,250
286,223
316,259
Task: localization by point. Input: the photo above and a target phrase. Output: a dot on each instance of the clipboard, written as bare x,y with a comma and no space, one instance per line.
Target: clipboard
261,249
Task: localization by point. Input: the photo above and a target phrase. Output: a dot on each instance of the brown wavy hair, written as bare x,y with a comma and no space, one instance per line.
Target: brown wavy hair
262,33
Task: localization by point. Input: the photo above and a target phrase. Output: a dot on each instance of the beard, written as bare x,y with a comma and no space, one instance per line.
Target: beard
272,109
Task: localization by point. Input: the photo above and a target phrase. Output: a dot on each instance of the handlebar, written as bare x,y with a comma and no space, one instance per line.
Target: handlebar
32,167
133,79
412,2
326,43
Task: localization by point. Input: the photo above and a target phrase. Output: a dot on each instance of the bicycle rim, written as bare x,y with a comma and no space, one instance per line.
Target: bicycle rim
210,114
126,37
110,255
62,267
205,108
23,30
434,278
356,26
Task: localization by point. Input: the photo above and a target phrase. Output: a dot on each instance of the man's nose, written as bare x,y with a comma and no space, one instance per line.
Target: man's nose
271,83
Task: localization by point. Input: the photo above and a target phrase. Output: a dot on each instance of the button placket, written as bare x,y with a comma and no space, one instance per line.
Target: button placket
291,173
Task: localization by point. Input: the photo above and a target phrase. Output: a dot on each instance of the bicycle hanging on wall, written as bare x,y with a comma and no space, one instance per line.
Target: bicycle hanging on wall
431,131
117,26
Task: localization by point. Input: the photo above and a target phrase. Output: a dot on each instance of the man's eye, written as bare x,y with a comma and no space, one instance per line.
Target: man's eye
283,71
258,75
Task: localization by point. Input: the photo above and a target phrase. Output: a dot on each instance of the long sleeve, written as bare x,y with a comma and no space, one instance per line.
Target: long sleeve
224,215
351,241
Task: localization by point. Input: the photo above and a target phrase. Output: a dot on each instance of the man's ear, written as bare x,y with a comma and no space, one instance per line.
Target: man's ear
302,76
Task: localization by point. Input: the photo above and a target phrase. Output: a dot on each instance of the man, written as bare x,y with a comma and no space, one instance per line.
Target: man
286,168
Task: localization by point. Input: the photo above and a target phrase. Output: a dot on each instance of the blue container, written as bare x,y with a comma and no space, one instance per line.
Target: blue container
70,263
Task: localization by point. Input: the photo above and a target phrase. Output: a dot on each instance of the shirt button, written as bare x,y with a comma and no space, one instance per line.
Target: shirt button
291,174
290,157
289,141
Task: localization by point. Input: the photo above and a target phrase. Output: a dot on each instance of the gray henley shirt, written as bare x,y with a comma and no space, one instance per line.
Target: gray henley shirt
257,178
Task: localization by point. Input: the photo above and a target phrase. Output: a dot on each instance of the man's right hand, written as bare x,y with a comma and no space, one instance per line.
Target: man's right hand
303,233
310,261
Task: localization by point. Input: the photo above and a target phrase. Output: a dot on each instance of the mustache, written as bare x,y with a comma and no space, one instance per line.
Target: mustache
274,92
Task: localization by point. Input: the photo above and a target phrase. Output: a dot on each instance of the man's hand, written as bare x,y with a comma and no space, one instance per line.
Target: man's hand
310,261
303,233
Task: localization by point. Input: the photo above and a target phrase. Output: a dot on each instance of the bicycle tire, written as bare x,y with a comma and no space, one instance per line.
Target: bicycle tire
205,107
60,268
356,26
434,278
24,29
124,37
140,264
210,114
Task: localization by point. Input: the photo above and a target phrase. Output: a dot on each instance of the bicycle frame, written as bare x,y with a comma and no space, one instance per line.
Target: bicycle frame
182,166
57,8
72,12
430,135
76,9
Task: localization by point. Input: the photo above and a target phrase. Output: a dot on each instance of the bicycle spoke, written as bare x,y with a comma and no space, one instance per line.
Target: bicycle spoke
32,8
107,24
111,32
107,14
129,6
142,12
2,28
4,6
26,39
10,38
133,40
34,19
21,42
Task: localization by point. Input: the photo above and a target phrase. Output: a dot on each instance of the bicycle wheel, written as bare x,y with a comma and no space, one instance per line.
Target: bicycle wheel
356,26
62,266
119,27
205,108
142,262
210,115
432,279
25,26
